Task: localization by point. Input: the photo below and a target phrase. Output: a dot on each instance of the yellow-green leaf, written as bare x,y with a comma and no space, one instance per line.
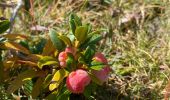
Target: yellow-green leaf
59,45
81,33
47,60
16,46
47,80
65,39
57,78
15,36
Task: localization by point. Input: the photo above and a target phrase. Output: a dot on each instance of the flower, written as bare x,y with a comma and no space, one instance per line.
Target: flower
102,74
77,80
63,56
100,58
71,50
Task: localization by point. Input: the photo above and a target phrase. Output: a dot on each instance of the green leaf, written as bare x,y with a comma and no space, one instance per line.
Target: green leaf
91,88
52,96
70,59
97,65
47,80
81,33
57,78
21,79
37,88
89,53
95,38
92,33
64,96
76,19
89,26
92,40
72,26
55,40
4,25
66,40
46,60
81,59
27,87
74,22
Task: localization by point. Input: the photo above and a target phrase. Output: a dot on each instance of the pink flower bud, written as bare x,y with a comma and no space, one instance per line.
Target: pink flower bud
71,50
100,58
62,58
63,64
63,55
102,74
77,80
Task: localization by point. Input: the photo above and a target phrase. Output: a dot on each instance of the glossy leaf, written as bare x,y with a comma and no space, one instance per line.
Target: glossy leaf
81,33
47,80
4,25
69,60
64,96
74,21
95,38
52,96
28,86
46,60
72,26
16,46
15,36
89,52
57,78
66,40
55,40
96,65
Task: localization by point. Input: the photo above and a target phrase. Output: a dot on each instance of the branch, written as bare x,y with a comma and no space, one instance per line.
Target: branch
15,11
7,5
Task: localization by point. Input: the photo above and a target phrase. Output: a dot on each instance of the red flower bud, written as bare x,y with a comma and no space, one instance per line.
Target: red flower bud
77,80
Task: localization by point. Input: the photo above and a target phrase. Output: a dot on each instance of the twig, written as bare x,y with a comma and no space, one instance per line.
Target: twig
7,5
15,11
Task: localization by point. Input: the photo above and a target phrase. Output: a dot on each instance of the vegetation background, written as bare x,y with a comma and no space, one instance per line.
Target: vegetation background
136,40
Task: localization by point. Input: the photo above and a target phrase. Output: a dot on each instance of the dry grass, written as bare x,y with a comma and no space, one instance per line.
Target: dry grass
136,40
